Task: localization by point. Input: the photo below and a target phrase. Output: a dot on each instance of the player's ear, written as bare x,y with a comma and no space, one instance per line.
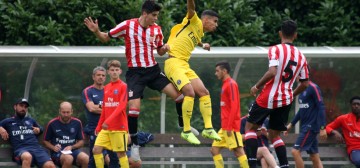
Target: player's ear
280,34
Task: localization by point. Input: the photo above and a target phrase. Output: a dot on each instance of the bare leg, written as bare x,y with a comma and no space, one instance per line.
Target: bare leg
315,158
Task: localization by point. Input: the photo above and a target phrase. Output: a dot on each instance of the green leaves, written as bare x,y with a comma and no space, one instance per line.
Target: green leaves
241,23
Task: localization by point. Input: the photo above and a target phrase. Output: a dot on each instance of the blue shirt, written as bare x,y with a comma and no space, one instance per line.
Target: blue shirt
311,109
20,130
64,134
95,95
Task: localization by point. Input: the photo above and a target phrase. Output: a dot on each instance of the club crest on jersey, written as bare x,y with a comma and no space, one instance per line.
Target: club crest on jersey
304,93
27,122
178,82
72,130
116,91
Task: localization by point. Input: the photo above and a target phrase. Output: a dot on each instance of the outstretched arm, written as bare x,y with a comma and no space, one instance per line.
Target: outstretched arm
190,8
93,26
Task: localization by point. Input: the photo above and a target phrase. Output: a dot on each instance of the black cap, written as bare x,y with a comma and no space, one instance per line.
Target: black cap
22,100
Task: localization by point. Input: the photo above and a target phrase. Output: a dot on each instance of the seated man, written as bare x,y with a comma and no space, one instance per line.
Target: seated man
64,138
350,130
22,131
263,155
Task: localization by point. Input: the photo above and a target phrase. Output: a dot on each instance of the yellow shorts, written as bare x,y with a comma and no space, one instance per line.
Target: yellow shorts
231,142
112,140
179,72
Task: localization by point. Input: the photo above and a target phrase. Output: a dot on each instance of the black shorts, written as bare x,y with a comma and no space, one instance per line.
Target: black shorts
277,120
138,78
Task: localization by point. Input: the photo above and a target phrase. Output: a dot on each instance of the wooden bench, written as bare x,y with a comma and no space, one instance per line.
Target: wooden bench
170,149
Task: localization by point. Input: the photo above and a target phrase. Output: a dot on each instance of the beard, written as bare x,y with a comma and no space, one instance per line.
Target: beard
20,114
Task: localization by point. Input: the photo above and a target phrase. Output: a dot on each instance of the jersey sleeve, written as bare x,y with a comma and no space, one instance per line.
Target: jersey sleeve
243,123
273,56
3,123
85,96
119,30
35,124
159,40
48,134
320,107
79,135
304,72
296,118
334,124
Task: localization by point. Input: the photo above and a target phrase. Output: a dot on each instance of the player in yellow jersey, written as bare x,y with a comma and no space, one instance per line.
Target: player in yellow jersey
183,39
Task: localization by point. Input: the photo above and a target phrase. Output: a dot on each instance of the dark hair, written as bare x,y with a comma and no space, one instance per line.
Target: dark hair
224,65
209,13
354,98
150,6
288,28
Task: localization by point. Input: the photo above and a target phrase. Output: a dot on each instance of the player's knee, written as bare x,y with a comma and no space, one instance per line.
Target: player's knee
97,150
203,92
49,164
295,152
82,159
66,160
26,156
214,151
188,90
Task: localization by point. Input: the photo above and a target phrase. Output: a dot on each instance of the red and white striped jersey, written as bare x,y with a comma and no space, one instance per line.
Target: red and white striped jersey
139,42
290,62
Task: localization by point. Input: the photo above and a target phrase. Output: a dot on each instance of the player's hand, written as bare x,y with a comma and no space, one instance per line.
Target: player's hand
68,148
165,47
323,134
264,131
57,148
254,90
338,136
104,126
93,26
4,134
206,46
36,130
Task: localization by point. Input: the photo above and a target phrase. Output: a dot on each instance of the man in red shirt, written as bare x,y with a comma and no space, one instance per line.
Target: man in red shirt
350,126
286,62
112,128
230,119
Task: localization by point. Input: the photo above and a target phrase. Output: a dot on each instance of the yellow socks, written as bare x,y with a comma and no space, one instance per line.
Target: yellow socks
187,109
99,160
124,162
218,161
243,161
206,110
